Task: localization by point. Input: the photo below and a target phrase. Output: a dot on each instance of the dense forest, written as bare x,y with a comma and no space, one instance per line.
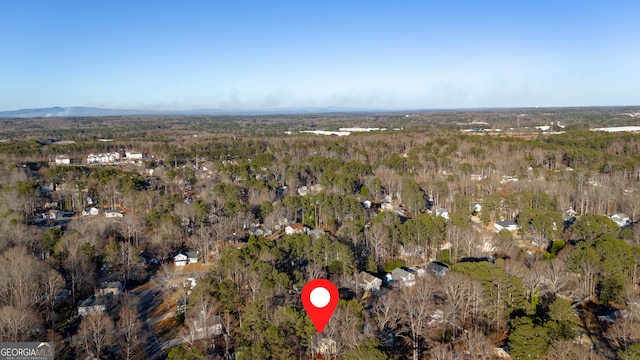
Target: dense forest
426,188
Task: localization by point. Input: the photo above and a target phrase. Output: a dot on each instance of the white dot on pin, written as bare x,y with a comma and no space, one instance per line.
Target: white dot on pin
320,297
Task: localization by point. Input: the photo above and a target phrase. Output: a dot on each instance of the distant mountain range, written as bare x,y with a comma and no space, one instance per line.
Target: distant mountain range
90,112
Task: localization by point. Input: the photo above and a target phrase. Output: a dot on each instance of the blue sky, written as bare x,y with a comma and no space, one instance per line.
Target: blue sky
164,55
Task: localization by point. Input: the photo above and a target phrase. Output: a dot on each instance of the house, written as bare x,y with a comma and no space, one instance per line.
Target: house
296,228
386,206
415,270
180,259
111,287
437,268
508,178
193,256
93,211
113,213
621,219
506,224
94,304
63,160
315,234
106,158
366,281
568,213
258,230
148,258
611,316
477,208
184,258
133,155
411,250
400,277
211,326
442,212
53,214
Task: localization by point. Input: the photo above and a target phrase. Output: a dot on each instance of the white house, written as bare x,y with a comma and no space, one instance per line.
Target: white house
442,212
113,213
506,224
366,281
63,160
106,158
621,219
93,211
296,228
477,207
133,155
400,277
182,258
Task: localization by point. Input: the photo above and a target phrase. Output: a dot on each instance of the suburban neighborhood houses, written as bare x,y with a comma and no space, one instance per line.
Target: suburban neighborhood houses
439,243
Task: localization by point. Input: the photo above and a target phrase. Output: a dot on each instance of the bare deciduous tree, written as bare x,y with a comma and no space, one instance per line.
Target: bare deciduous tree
79,265
95,333
457,288
22,278
377,236
476,345
344,329
416,307
128,326
53,282
18,324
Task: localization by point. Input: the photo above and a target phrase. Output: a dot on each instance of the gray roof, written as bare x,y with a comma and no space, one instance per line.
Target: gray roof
399,273
111,284
365,276
95,300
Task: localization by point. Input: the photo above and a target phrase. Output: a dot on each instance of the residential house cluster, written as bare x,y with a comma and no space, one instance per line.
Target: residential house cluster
103,159
298,228
399,277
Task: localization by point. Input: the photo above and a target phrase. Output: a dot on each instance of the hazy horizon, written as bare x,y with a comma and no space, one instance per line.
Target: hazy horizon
161,56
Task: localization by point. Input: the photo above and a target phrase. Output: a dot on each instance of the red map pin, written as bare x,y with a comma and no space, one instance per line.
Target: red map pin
320,298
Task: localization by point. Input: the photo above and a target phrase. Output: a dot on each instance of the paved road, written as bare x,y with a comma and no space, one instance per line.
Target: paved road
148,341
